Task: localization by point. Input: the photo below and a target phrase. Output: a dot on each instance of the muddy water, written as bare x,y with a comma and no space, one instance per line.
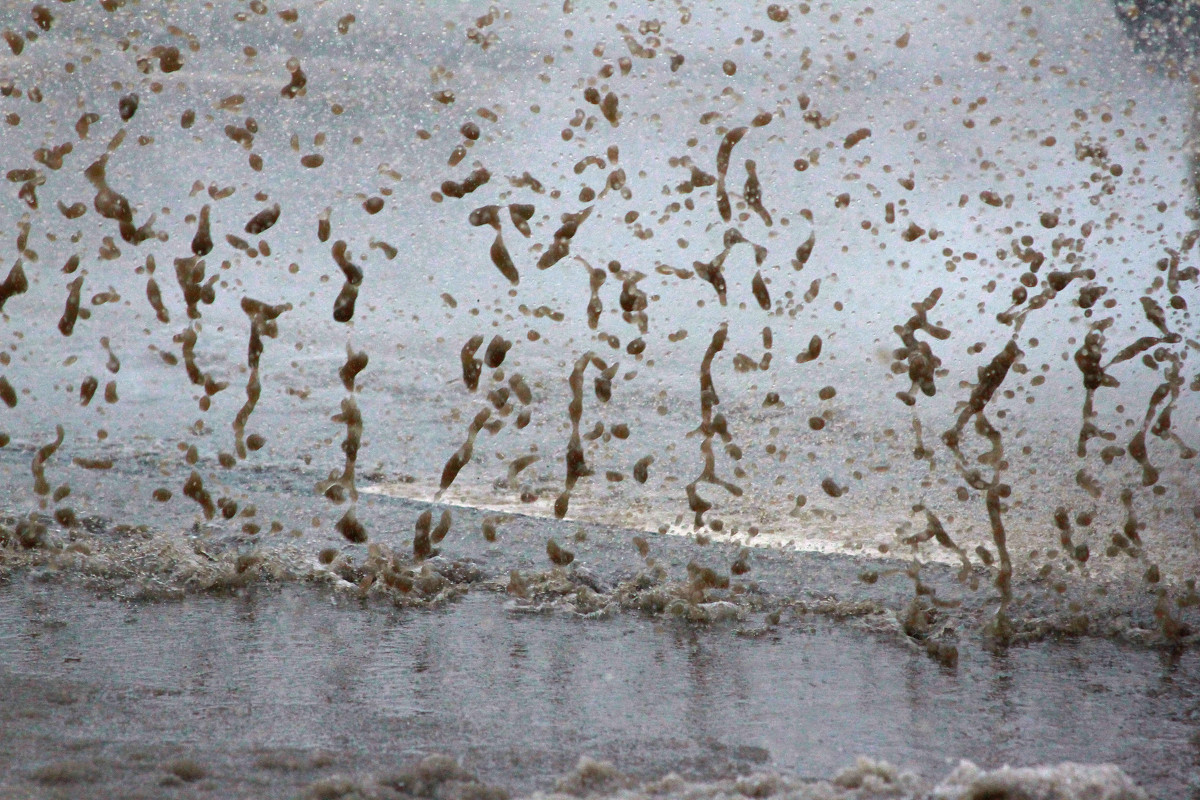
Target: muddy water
666,316
270,691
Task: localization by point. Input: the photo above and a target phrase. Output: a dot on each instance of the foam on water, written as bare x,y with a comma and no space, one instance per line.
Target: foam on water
443,778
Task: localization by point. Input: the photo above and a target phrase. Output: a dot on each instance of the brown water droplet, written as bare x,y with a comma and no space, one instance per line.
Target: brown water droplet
349,527
503,261
263,220
557,554
856,137
127,107
443,527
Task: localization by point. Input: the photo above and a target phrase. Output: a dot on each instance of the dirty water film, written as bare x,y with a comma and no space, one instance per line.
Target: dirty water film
732,315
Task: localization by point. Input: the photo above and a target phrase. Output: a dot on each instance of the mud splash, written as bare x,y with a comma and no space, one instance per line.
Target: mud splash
737,319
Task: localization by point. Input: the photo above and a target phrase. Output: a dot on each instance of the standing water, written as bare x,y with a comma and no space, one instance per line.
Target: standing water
432,399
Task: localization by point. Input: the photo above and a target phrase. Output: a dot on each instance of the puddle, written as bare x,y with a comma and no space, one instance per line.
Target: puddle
277,688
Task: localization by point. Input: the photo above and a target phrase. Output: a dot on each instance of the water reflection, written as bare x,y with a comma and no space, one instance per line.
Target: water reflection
294,673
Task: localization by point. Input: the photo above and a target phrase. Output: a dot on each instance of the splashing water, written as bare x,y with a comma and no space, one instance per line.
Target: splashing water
879,310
